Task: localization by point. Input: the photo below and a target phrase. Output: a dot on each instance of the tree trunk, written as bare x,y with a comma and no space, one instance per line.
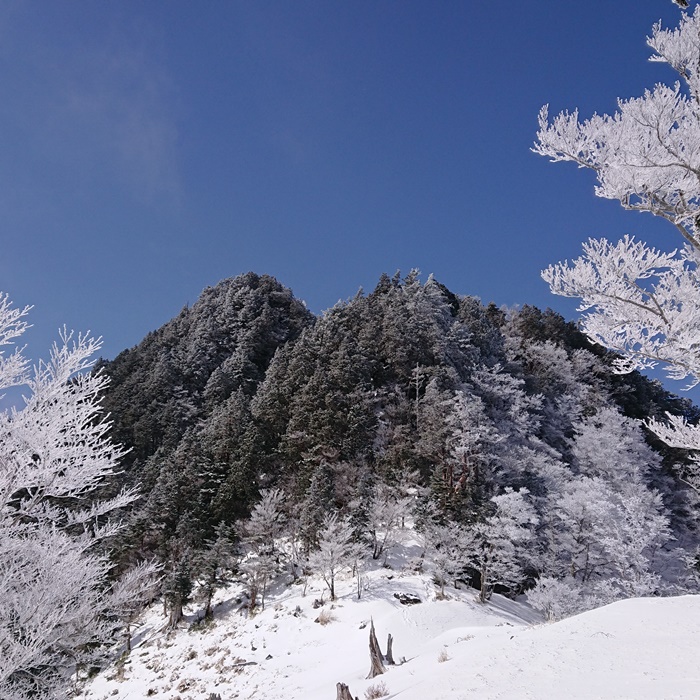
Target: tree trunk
208,613
175,613
375,654
343,692
483,593
389,653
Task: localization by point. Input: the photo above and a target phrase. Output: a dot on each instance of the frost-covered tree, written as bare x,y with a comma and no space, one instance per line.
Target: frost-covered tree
497,545
260,533
258,569
611,449
336,550
642,302
556,598
448,546
385,515
57,607
266,521
459,479
129,593
604,525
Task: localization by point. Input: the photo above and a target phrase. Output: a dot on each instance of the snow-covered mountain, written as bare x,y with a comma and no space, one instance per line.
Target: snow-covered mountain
445,649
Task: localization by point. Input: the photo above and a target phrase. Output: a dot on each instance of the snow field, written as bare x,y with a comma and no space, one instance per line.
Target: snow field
454,649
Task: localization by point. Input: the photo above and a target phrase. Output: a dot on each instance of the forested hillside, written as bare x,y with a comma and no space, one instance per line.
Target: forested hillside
411,398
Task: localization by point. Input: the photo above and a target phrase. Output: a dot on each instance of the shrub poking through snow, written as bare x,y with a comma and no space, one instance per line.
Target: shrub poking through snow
325,617
376,690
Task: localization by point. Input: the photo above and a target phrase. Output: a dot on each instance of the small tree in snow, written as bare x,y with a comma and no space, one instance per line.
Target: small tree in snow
130,592
336,550
261,532
358,564
215,564
385,516
258,569
266,522
556,598
448,547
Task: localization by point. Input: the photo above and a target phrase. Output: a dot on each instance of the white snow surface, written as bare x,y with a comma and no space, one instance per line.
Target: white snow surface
453,649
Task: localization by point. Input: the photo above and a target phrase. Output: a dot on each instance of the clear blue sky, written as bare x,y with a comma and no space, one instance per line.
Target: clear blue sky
150,149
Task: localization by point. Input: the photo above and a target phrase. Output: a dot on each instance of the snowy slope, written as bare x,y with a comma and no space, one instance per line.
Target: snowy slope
453,649
636,649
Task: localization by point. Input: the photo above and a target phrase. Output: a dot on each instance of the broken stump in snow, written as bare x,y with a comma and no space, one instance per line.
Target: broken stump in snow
343,692
375,654
389,653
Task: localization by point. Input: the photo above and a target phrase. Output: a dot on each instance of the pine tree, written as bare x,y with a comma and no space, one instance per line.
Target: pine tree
318,502
215,564
178,586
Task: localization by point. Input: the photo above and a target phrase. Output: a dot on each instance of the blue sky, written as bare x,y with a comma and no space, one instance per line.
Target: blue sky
148,150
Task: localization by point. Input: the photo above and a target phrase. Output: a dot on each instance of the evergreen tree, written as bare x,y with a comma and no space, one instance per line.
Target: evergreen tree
178,585
317,504
215,564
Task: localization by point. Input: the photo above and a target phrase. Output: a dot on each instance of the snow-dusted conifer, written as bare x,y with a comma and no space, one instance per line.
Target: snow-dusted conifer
267,520
317,503
260,532
215,564
178,586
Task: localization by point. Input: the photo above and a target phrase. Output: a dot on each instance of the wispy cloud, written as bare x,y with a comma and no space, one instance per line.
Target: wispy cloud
95,101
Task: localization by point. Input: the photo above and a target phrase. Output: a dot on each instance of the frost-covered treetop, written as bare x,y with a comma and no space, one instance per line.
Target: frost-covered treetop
641,302
647,154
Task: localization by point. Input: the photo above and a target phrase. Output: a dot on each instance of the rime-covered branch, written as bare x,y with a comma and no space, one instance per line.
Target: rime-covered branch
638,301
56,610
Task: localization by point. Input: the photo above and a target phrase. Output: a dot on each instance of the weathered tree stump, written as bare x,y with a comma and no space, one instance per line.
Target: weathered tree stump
343,692
389,653
375,654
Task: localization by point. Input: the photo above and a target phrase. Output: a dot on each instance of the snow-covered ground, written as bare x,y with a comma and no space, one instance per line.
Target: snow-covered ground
454,649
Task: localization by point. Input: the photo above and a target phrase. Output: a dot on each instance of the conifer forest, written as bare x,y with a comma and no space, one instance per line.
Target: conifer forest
506,434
